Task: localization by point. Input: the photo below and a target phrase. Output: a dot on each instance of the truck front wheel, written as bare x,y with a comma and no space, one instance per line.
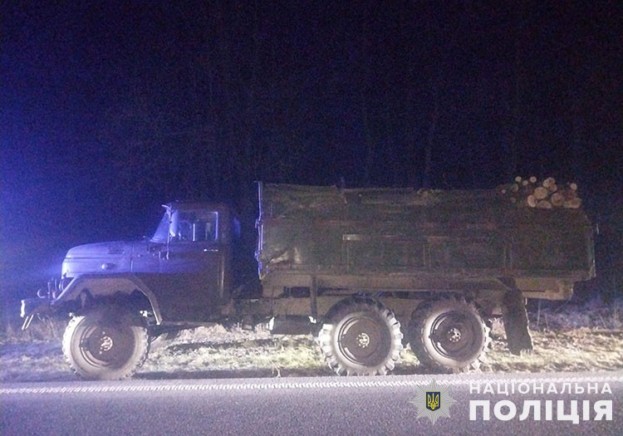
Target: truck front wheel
105,343
448,335
361,338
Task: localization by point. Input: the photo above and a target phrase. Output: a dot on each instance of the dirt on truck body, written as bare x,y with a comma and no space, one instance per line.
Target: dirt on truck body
366,270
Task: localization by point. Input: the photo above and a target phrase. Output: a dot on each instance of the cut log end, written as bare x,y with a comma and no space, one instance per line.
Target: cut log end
557,199
548,182
574,203
532,201
541,193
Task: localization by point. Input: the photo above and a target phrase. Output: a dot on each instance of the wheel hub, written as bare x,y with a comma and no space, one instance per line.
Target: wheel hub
454,335
107,346
106,343
363,340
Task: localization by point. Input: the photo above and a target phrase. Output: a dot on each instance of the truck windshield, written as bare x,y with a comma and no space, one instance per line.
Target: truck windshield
161,231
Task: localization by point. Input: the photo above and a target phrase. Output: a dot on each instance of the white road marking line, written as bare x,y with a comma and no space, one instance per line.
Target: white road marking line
293,385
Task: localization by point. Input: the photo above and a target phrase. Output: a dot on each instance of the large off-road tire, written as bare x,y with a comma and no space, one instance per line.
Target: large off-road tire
448,335
106,343
361,338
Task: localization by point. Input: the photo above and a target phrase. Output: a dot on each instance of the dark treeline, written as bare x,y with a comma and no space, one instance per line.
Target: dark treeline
200,101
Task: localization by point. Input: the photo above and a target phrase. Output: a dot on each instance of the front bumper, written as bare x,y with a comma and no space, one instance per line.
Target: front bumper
42,305
35,306
32,307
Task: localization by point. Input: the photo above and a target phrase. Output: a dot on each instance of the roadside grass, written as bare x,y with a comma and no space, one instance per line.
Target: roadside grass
566,338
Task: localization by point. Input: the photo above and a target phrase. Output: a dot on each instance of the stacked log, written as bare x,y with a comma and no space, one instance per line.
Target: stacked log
546,194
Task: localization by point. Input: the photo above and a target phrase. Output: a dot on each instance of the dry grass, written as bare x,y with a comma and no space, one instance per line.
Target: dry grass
215,351
576,349
568,338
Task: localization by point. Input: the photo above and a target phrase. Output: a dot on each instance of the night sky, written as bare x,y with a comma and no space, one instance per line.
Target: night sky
109,109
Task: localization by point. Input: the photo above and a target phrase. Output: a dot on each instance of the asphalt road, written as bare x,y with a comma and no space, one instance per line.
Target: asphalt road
321,405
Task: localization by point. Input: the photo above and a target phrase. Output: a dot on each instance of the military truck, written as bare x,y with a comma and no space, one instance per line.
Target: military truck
367,271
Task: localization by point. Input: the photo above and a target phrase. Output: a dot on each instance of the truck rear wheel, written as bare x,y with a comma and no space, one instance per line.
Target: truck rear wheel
106,343
361,338
449,335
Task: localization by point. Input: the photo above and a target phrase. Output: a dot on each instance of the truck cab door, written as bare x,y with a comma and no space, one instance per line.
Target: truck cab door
192,267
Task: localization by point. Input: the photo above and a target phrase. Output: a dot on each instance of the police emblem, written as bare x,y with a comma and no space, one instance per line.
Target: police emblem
433,402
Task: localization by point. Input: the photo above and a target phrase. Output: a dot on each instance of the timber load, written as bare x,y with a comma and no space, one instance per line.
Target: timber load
545,194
